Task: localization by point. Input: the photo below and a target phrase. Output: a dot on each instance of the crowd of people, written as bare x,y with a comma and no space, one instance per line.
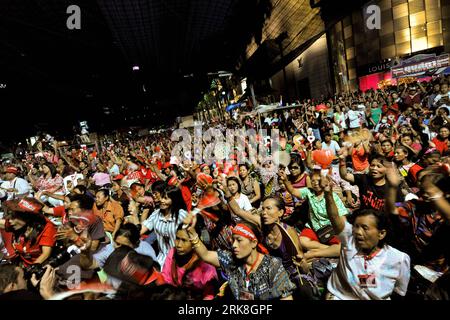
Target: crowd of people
359,212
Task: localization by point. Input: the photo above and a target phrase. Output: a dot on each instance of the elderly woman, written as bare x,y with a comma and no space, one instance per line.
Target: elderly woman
252,274
368,268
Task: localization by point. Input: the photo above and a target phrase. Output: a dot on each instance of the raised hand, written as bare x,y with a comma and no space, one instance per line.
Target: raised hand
392,176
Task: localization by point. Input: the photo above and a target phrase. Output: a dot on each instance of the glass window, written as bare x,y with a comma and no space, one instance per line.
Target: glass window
434,28
385,4
432,4
400,11
347,32
386,28
435,41
418,44
418,32
416,6
400,24
402,36
352,74
387,40
347,21
388,52
417,19
433,14
350,52
403,48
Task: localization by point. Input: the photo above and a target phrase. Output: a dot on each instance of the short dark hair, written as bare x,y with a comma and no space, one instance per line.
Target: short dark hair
8,275
85,202
104,191
381,218
158,186
131,232
81,188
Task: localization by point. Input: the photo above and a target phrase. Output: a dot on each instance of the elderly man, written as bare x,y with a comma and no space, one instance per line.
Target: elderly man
15,186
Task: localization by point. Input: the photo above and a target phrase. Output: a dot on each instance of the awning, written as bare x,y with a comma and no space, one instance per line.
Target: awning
443,71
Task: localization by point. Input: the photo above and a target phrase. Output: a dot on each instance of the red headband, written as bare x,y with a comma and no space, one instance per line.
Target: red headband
246,232
29,206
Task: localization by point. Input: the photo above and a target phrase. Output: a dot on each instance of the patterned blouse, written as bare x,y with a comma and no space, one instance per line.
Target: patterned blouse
53,185
270,280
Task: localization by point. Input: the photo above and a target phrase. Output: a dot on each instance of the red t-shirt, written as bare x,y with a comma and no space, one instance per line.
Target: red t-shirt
22,248
441,146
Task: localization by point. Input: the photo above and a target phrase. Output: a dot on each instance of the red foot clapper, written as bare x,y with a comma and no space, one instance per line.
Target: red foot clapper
207,201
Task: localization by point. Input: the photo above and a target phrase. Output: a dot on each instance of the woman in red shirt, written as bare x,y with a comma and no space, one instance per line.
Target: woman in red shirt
29,236
441,141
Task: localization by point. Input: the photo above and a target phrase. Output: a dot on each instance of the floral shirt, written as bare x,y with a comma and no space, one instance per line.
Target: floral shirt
52,185
269,281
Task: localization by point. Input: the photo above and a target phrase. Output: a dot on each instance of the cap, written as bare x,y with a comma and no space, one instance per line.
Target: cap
27,205
167,165
12,170
204,178
129,266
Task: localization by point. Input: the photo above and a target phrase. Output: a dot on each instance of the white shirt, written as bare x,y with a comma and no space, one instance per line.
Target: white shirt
390,268
243,203
333,147
21,185
354,117
439,97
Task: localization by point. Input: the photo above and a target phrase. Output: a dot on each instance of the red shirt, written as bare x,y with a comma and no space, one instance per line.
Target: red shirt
24,249
441,146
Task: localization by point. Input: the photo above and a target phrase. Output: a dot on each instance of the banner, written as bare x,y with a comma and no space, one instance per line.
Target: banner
420,65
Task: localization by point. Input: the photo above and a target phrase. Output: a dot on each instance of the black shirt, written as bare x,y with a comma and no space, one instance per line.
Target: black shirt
370,195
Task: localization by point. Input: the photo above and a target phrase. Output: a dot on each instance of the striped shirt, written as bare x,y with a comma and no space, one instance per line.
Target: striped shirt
165,230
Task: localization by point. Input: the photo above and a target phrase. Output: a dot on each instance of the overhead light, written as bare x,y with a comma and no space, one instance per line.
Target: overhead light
135,68
224,93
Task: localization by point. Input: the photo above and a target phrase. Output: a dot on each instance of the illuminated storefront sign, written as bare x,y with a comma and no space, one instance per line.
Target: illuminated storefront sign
420,65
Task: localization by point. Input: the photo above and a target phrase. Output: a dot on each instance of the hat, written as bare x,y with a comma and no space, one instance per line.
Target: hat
204,178
28,205
131,267
167,165
12,170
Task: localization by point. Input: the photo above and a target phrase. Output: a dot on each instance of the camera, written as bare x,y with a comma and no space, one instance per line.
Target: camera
39,269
